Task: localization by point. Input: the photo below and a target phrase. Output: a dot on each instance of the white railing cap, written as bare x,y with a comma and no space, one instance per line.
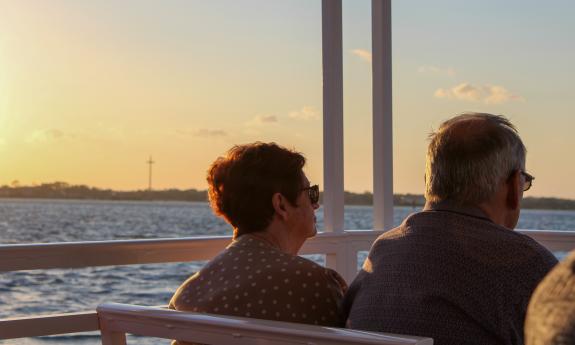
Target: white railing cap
186,326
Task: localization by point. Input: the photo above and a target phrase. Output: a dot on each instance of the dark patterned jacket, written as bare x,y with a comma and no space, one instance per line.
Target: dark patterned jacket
450,274
251,278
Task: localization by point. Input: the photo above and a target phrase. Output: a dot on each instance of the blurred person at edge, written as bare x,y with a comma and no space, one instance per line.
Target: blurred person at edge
551,313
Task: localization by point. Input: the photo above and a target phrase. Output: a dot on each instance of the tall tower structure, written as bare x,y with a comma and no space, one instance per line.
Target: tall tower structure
150,162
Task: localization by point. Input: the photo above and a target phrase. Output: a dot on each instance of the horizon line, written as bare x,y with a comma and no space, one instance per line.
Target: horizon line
67,185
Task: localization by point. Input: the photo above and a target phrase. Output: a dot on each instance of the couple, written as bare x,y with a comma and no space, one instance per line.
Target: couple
455,272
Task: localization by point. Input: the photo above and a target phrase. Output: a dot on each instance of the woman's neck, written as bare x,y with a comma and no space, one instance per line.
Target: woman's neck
278,241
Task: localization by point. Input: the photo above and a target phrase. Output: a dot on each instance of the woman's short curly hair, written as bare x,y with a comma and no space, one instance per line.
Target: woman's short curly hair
242,183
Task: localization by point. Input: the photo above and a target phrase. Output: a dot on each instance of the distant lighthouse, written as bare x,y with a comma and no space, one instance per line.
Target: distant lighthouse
150,162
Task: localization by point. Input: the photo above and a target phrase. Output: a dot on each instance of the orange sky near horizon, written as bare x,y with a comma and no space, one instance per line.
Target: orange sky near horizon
89,90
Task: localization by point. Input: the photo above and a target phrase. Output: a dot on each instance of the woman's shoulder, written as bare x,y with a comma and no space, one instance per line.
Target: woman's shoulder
308,269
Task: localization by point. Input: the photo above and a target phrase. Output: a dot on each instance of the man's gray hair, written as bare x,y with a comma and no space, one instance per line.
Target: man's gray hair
469,156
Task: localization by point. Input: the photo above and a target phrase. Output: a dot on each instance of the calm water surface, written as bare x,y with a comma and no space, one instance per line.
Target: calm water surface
50,291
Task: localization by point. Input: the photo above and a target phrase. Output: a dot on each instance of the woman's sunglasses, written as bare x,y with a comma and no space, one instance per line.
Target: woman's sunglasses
313,193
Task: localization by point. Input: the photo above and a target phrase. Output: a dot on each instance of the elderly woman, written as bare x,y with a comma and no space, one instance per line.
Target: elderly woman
261,190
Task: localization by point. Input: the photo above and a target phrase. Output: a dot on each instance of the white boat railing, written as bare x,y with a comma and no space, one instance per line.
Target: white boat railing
342,247
118,319
17,257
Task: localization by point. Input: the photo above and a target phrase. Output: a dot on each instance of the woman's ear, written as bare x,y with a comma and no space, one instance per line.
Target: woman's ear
514,190
279,203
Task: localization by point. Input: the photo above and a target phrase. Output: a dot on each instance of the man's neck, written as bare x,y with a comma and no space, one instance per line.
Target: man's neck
487,210
499,215
450,206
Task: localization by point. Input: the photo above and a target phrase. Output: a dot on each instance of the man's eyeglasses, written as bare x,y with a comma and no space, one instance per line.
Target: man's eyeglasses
313,193
528,180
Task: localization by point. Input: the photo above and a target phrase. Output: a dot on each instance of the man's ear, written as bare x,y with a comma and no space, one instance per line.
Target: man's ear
514,190
279,204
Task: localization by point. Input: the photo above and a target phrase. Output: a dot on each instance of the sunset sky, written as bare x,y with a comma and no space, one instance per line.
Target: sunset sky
90,89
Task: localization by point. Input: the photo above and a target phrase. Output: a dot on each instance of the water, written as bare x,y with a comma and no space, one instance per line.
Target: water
54,291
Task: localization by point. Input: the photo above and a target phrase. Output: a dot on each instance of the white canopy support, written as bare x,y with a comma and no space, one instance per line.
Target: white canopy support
333,210
333,201
382,115
332,115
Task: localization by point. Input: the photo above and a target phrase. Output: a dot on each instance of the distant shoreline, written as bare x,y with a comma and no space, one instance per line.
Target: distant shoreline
65,191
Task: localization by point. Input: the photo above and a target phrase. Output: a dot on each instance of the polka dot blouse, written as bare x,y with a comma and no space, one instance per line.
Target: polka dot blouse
251,278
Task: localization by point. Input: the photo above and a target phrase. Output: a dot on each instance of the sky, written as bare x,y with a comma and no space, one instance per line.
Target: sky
89,90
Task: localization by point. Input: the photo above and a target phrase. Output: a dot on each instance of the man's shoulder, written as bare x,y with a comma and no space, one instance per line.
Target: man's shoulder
533,249
450,225
411,223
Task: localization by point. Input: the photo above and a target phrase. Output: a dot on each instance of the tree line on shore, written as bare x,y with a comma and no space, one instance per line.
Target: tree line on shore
63,190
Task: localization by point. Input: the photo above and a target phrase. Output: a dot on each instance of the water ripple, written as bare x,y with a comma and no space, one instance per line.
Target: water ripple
55,291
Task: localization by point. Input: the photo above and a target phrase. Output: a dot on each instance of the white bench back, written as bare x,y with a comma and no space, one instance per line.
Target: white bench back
118,319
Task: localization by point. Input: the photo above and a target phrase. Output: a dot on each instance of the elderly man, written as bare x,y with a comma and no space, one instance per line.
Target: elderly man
456,271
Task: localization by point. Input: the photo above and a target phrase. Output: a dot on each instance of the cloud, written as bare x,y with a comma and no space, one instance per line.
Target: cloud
262,120
450,71
464,91
44,135
306,113
209,133
499,94
203,133
362,54
267,118
489,94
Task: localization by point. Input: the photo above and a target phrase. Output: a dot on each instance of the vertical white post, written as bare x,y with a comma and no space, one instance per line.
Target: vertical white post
332,115
333,128
113,338
382,115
